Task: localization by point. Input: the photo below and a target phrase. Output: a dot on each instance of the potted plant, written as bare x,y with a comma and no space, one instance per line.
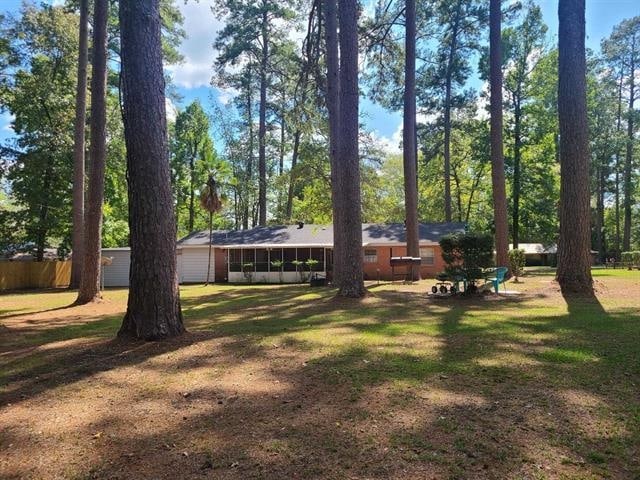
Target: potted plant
247,269
516,263
299,264
277,264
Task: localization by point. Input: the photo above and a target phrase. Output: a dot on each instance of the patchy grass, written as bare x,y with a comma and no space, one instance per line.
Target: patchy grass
290,382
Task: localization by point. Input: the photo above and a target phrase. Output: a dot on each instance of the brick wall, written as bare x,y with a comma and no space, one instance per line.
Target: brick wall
382,268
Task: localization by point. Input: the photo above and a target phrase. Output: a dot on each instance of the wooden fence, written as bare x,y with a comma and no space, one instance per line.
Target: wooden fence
20,275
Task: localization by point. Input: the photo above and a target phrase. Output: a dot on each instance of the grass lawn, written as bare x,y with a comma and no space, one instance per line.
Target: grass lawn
284,382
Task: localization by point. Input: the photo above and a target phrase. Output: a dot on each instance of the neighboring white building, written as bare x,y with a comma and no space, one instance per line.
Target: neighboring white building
116,274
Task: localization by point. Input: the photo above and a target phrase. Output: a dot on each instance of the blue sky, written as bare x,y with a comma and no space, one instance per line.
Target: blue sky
192,78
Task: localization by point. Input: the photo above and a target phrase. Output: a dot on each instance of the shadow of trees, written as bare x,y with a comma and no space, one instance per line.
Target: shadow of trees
394,386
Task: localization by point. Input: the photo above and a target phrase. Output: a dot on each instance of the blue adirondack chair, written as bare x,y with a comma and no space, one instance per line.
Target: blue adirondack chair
500,273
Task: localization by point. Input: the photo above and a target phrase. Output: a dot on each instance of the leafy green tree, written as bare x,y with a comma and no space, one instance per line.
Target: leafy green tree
459,25
41,55
523,44
193,156
622,50
251,31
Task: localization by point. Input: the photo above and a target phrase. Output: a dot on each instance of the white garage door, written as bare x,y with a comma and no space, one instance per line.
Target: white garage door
116,274
193,265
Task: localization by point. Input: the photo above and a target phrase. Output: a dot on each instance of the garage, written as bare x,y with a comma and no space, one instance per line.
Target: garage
192,264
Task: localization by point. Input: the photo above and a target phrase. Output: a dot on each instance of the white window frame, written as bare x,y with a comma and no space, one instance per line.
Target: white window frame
369,257
427,259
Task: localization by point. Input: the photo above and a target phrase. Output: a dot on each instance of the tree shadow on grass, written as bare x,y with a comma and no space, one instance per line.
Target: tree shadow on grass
493,393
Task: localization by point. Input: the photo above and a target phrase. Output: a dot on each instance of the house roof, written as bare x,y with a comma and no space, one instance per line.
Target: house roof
317,235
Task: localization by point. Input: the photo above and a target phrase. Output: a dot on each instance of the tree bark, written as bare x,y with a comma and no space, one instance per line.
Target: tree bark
574,246
262,127
90,278
333,107
497,153
153,307
601,179
210,247
628,162
292,174
282,137
409,137
447,115
351,275
517,157
617,175
247,200
77,240
192,187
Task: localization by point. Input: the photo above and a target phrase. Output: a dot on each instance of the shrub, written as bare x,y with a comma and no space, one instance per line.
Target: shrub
467,254
311,263
247,269
299,264
278,264
631,257
516,262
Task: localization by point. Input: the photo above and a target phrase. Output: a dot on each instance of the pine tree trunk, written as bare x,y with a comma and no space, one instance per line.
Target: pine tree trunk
447,115
574,246
43,216
282,137
617,174
247,199
262,127
77,241
192,192
90,278
409,137
153,308
600,241
292,174
210,247
333,107
497,154
351,275
517,154
628,162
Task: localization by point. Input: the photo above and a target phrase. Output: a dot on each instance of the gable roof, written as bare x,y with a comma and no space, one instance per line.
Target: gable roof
317,235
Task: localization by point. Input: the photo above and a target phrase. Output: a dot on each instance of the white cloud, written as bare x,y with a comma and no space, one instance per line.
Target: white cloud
225,95
6,122
172,111
201,26
391,145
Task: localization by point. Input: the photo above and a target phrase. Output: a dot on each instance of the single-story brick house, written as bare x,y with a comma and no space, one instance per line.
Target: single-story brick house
233,250
242,254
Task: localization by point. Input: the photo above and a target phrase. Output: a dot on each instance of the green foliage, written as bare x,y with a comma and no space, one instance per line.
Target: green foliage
193,159
311,263
467,254
517,261
631,257
41,49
